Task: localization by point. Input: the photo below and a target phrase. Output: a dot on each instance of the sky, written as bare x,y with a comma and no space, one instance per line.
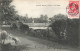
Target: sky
34,8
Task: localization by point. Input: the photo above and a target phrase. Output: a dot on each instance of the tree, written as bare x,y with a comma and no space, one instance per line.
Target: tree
43,19
26,16
58,17
42,16
7,11
67,31
59,27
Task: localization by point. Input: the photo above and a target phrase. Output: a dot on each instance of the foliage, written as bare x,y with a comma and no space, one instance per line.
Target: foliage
20,26
43,33
7,11
58,17
24,27
72,30
41,19
13,26
58,27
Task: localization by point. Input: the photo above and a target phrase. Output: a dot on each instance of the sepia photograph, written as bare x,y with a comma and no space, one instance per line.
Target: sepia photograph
39,25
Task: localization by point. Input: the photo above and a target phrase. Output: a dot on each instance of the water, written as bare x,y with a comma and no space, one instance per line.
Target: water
38,27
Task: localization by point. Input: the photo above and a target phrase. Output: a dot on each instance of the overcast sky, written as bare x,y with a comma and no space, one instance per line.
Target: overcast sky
34,8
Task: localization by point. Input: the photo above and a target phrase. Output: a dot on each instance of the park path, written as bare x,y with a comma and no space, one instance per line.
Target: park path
36,44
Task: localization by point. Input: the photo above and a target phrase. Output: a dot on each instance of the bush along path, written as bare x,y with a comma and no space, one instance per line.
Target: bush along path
67,31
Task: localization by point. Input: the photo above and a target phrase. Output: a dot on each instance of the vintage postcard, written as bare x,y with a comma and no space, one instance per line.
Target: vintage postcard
39,25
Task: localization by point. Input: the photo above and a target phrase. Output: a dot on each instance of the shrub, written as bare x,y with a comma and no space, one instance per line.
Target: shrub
67,31
73,31
43,33
31,32
13,26
23,27
58,27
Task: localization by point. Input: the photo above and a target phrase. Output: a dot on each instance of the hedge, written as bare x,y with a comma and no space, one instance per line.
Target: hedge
67,31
